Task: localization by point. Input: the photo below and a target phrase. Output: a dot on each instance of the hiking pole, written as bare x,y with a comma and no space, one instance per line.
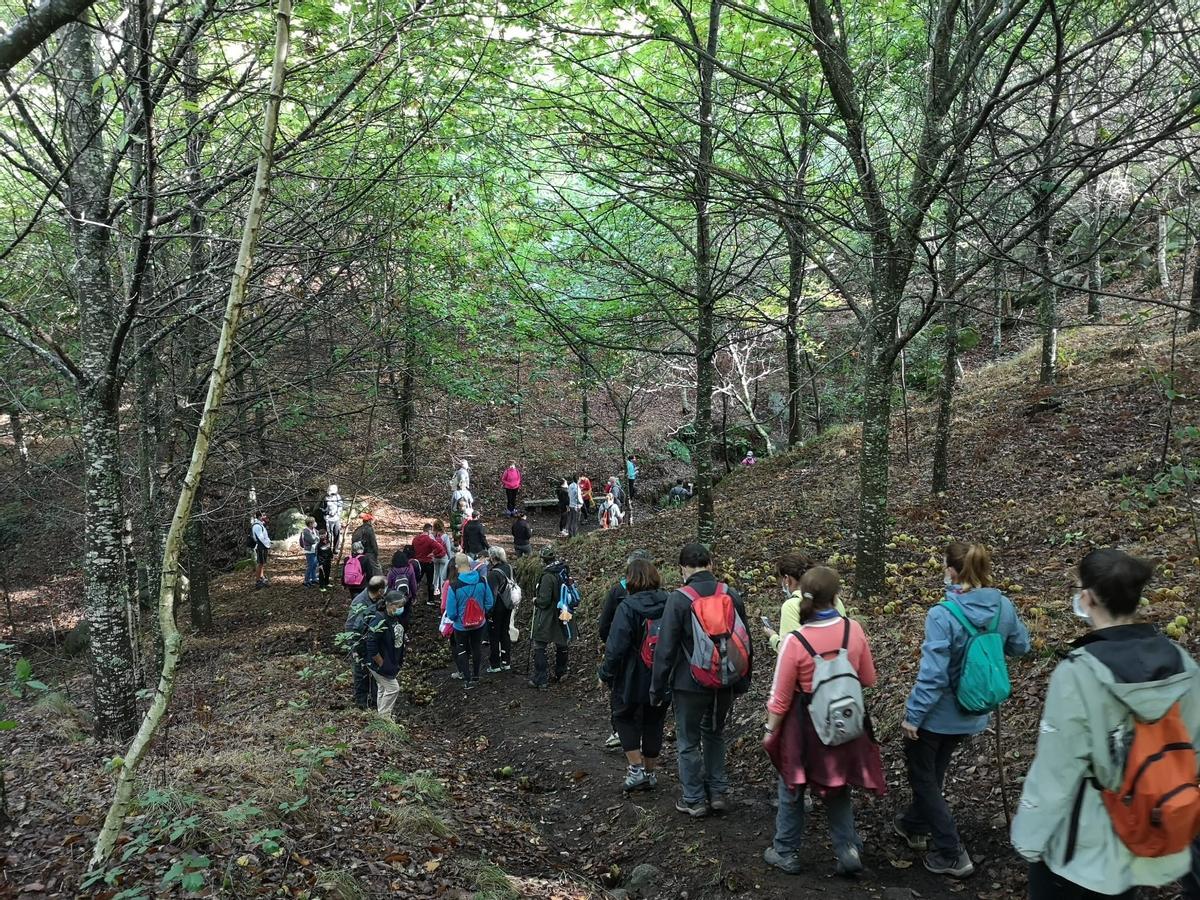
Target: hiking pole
1000,769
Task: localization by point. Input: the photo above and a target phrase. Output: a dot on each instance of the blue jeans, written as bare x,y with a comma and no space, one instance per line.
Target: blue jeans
700,742
310,573
789,821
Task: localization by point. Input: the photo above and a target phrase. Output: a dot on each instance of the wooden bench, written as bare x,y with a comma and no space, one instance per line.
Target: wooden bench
540,504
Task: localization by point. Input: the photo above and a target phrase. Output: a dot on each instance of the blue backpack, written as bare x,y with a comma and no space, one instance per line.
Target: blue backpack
568,599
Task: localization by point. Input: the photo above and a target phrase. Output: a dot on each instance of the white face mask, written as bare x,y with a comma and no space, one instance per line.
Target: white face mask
783,587
1077,607
948,581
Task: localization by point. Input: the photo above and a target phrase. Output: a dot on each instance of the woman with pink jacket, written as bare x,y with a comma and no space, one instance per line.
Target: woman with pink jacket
511,481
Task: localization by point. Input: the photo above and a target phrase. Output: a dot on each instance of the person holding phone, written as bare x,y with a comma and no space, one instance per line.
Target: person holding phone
789,569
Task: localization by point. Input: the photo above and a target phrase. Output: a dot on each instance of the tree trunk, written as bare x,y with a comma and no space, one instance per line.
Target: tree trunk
1048,307
873,464
997,309
1095,280
408,445
195,566
172,581
583,391
795,242
950,320
815,393
1164,272
1194,312
20,447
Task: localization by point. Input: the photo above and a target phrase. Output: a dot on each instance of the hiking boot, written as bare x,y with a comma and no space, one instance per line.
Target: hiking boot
536,686
473,683
784,862
613,742
915,841
849,862
696,810
959,866
636,780
719,803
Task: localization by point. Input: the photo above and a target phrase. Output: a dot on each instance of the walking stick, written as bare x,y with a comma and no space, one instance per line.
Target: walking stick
1000,769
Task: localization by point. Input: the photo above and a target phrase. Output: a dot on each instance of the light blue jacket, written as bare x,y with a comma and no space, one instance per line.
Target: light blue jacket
465,585
931,704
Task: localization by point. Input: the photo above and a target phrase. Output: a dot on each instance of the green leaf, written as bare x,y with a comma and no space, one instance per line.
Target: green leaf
23,671
968,339
8,724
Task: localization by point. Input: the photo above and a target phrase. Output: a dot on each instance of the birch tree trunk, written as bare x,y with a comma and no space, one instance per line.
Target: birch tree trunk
173,583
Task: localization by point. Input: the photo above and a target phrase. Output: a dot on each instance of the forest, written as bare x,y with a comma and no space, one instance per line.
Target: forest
933,267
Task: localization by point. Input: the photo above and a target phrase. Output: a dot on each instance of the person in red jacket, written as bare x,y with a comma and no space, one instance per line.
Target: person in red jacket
585,488
427,548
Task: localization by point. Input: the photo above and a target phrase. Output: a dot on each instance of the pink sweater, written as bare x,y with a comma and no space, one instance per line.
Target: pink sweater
794,668
511,478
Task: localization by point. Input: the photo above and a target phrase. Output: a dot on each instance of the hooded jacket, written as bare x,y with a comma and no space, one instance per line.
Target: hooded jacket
675,643
474,538
1112,675
612,600
385,638
365,534
622,668
931,703
521,532
465,585
546,625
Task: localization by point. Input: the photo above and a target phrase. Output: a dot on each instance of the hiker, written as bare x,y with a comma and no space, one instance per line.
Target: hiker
691,490
309,541
609,514
612,600
358,569
703,676
333,516
748,459
468,602
458,519
474,540
550,626
430,549
462,477
262,549
501,580
363,605
441,563
574,506
511,482
522,535
365,534
934,724
563,496
628,662
789,569
384,653
678,494
324,559
401,573
1096,819
589,499
631,475
613,486
824,745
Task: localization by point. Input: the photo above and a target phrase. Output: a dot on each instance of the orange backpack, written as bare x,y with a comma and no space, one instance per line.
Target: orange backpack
1156,812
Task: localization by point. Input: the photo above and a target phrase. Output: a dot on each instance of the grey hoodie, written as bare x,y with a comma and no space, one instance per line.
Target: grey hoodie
1111,676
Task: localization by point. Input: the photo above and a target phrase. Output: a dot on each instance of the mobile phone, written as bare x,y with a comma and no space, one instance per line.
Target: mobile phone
766,622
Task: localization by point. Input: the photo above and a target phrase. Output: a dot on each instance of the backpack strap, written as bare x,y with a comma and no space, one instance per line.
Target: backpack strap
955,610
846,635
689,592
807,646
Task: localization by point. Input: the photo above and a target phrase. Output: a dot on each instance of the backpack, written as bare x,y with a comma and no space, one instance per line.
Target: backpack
504,595
473,615
650,632
983,682
352,571
835,704
568,594
720,644
356,626
1156,811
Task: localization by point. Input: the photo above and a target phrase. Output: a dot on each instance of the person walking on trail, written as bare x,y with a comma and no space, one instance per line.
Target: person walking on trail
511,482
475,542
1110,802
333,516
612,600
522,535
628,662
468,603
500,579
934,723
384,653
826,746
789,569
262,549
704,657
363,606
431,551
609,514
631,476
358,569
678,495
309,543
460,486
749,459
613,486
365,534
574,506
549,626
324,559
458,519
563,494
401,573
442,563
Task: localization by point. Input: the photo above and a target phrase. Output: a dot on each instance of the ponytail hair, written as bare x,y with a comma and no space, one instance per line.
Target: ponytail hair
819,587
794,563
972,562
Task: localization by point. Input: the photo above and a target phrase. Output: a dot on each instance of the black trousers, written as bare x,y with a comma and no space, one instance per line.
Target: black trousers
541,663
499,642
928,758
324,564
511,495
640,727
1045,885
562,520
468,653
427,577
365,688
524,550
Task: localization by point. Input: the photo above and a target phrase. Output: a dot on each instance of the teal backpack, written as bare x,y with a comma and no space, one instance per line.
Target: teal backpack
983,682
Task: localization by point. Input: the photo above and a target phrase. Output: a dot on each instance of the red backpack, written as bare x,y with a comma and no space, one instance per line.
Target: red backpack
473,615
720,643
650,641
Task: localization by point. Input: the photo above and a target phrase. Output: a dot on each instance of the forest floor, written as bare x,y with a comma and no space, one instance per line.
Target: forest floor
268,782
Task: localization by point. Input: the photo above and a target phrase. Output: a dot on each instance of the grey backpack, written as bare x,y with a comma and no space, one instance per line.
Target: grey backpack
836,705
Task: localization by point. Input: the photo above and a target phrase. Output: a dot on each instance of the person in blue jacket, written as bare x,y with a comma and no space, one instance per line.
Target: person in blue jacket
934,726
467,586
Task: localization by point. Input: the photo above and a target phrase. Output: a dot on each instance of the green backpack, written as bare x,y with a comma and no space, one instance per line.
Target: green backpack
983,682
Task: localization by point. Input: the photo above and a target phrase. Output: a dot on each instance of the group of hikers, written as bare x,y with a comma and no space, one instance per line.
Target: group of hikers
577,495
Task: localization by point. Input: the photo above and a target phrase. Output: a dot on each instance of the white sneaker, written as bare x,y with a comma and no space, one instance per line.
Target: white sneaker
613,742
457,676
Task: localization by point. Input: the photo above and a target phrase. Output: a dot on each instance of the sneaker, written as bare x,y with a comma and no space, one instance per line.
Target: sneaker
696,810
651,781
473,683
955,867
636,779
719,803
506,668
457,676
915,841
613,742
494,670
536,686
849,862
808,803
784,862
